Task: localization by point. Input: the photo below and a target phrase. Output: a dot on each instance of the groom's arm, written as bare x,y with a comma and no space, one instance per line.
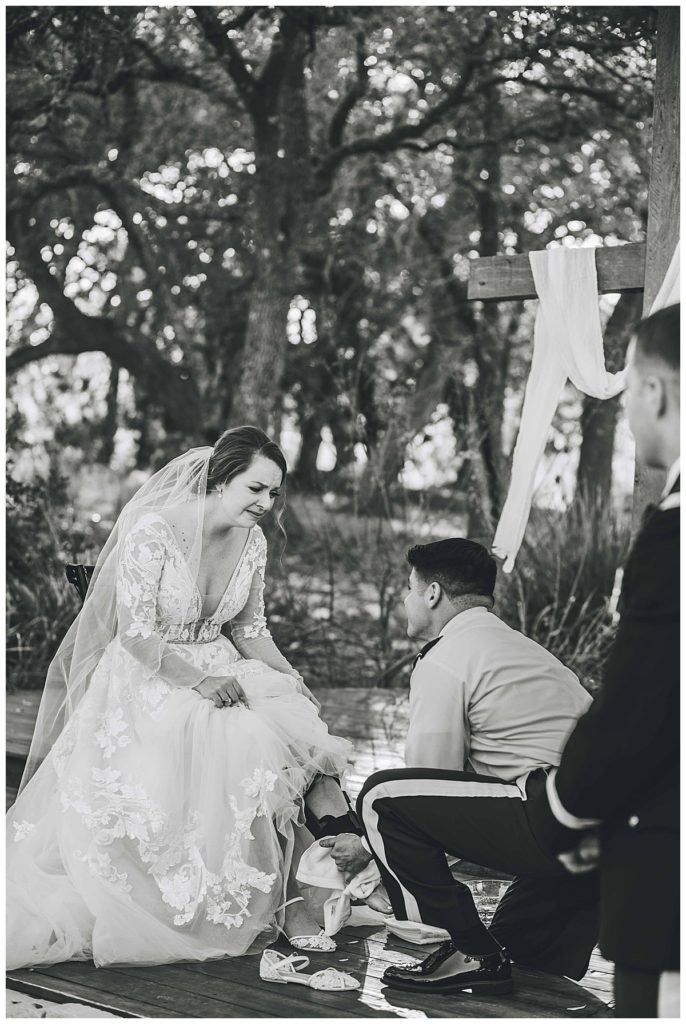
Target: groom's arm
437,736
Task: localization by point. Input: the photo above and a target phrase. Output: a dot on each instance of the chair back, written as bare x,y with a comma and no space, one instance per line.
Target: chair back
79,576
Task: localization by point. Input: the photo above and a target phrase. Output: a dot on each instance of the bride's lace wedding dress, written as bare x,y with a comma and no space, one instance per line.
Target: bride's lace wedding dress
160,827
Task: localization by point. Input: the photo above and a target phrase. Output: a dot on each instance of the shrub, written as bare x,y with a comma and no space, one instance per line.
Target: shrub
42,536
560,591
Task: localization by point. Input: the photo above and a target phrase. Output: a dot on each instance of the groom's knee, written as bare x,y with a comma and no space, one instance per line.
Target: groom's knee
375,786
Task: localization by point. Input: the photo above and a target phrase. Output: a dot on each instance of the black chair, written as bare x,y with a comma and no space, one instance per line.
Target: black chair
79,576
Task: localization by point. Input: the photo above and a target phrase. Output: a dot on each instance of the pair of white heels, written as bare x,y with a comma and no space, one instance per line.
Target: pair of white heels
282,969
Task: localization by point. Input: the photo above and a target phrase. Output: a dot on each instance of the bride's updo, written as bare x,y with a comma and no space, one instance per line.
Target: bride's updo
234,452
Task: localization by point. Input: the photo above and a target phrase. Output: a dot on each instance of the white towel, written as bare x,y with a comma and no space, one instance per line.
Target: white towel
317,867
568,344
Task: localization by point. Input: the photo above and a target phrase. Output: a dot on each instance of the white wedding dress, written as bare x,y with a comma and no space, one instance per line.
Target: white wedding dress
160,827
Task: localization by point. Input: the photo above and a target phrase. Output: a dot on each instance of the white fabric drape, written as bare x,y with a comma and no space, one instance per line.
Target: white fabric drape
568,344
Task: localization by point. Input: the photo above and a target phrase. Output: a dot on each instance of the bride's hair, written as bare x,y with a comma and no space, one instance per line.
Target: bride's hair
233,454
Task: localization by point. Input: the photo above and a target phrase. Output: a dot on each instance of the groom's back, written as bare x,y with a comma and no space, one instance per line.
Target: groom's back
494,700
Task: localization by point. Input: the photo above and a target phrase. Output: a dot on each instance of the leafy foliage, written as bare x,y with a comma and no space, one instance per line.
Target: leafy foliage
41,536
222,214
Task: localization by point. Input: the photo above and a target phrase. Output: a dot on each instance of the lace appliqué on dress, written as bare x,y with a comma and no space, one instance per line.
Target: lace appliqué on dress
111,735
113,810
253,571
22,829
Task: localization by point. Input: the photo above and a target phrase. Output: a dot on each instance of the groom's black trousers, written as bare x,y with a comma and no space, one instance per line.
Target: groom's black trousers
547,919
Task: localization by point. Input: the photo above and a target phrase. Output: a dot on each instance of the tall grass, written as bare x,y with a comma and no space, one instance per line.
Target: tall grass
559,593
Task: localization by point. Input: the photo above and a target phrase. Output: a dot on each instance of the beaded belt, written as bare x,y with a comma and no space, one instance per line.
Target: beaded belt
194,634
209,640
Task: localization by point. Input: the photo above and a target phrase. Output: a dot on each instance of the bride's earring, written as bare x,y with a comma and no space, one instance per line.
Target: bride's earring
220,491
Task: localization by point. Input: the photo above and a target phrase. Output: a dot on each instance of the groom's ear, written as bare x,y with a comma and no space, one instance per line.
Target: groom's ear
433,594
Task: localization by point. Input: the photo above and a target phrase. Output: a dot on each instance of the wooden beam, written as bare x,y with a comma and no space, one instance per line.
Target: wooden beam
663,203
621,268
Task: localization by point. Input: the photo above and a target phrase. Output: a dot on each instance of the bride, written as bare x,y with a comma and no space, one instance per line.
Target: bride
161,811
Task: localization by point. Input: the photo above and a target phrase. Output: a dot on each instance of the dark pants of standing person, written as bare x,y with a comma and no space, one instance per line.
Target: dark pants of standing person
636,992
547,919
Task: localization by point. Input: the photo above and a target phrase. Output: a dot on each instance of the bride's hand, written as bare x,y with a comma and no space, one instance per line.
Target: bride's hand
223,690
302,689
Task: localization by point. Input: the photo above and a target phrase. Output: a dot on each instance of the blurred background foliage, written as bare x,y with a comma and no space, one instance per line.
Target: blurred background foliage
248,214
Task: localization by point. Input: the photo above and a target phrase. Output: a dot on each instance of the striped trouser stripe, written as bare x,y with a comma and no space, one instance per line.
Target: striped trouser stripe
411,787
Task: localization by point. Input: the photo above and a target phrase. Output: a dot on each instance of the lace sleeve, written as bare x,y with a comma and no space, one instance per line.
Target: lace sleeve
249,629
138,579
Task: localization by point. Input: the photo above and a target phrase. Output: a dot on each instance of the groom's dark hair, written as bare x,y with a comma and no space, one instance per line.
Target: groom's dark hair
460,566
658,337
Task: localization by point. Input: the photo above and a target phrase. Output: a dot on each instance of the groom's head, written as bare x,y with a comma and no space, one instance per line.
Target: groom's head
446,577
653,399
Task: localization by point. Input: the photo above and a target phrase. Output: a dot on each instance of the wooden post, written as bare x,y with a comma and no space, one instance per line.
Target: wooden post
663,201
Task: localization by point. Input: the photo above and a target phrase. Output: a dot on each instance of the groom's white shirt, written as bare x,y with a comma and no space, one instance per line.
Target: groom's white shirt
488,699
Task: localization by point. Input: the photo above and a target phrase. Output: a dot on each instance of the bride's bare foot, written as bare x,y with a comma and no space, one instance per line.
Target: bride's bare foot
299,921
303,932
378,900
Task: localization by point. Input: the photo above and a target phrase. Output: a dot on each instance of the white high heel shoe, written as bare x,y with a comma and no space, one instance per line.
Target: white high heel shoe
320,943
282,969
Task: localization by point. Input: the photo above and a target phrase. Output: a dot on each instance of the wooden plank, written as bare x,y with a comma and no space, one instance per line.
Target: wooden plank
284,1000
620,268
43,986
663,204
547,994
148,995
231,988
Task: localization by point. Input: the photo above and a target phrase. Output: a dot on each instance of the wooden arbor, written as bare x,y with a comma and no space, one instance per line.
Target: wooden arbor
623,268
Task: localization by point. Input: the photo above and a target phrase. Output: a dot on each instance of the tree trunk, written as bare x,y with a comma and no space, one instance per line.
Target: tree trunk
257,395
305,476
281,131
263,358
109,423
599,418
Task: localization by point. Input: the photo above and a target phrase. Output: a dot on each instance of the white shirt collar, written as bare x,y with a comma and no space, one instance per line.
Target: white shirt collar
672,476
463,619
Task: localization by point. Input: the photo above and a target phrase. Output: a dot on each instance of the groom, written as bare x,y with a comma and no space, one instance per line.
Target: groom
490,711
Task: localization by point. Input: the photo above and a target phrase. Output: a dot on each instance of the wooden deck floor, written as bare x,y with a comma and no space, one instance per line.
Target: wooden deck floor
232,988
376,721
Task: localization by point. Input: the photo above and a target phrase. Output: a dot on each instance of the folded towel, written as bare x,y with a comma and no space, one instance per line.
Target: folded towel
317,867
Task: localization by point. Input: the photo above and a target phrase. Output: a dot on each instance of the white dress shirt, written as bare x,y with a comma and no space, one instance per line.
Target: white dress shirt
668,500
490,700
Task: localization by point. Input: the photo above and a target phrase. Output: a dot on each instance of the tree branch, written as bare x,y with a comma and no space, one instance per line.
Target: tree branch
533,130
388,141
352,96
229,55
165,71
75,332
241,20
602,97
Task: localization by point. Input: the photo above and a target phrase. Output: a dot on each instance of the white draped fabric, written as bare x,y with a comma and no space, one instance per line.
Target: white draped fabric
568,345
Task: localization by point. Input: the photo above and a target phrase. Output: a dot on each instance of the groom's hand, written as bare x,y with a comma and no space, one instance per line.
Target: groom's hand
584,857
348,853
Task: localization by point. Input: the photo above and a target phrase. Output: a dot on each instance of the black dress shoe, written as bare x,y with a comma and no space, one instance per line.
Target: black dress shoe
492,974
